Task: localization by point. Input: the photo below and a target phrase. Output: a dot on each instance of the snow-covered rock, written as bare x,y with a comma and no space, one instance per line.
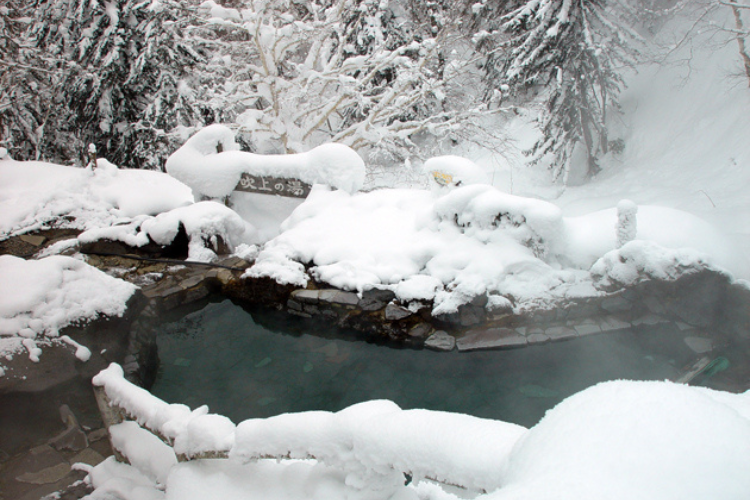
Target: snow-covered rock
203,222
452,246
41,297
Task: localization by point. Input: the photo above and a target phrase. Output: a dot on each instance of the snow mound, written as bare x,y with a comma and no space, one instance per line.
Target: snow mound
215,174
40,297
625,440
204,222
589,237
640,261
473,240
33,194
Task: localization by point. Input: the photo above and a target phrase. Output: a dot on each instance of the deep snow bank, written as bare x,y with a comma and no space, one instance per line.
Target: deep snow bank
625,440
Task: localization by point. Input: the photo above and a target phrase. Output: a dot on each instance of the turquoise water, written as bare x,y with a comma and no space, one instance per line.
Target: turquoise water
246,365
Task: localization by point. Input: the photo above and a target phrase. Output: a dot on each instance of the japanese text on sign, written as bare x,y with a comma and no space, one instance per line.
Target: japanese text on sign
263,184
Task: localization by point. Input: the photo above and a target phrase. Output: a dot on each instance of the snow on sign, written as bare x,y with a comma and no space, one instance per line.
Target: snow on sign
266,184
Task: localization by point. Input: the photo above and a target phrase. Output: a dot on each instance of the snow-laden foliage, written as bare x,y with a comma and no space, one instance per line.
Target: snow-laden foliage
349,71
117,74
575,50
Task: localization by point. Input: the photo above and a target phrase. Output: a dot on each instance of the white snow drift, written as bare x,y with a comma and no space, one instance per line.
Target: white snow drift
617,440
456,244
33,194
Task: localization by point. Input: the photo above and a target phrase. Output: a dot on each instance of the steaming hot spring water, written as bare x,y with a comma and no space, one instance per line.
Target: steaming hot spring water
258,363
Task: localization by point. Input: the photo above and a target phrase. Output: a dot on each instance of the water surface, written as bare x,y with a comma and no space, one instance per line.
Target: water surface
245,365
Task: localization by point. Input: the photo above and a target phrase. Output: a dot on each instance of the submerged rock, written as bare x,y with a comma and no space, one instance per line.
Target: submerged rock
491,338
440,341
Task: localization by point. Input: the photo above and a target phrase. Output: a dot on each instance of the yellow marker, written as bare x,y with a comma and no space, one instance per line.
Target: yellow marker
442,179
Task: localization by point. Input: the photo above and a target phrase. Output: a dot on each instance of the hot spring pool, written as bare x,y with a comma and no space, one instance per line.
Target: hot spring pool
246,365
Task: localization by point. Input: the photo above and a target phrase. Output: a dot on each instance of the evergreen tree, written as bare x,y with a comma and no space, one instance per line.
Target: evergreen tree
129,86
576,50
23,88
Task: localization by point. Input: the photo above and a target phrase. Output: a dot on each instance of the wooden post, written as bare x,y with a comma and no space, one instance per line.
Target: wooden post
111,415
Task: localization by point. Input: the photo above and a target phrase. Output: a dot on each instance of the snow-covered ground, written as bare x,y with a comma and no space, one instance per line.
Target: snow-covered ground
616,440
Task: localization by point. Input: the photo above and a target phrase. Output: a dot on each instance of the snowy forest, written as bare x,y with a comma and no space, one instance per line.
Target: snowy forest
398,80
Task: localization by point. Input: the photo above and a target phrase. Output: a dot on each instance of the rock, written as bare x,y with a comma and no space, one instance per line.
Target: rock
610,323
560,333
649,319
588,328
698,298
374,300
46,476
471,315
654,304
420,330
699,345
71,439
394,312
440,341
88,456
97,435
293,305
616,304
32,239
537,338
338,297
306,296
491,338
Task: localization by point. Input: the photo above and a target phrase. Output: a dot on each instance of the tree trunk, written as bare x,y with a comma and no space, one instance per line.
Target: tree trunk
741,39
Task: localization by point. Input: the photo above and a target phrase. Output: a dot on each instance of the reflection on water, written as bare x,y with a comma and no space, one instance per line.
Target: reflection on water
223,357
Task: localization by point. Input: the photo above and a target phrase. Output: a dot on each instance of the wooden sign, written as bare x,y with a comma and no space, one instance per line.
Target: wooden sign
266,184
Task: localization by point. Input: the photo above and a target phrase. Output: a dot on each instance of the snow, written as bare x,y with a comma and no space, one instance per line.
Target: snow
144,450
203,222
624,440
447,171
616,440
450,246
40,297
215,174
34,193
638,261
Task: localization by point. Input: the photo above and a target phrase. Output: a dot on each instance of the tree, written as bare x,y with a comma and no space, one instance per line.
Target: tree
351,71
123,72
23,74
575,50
